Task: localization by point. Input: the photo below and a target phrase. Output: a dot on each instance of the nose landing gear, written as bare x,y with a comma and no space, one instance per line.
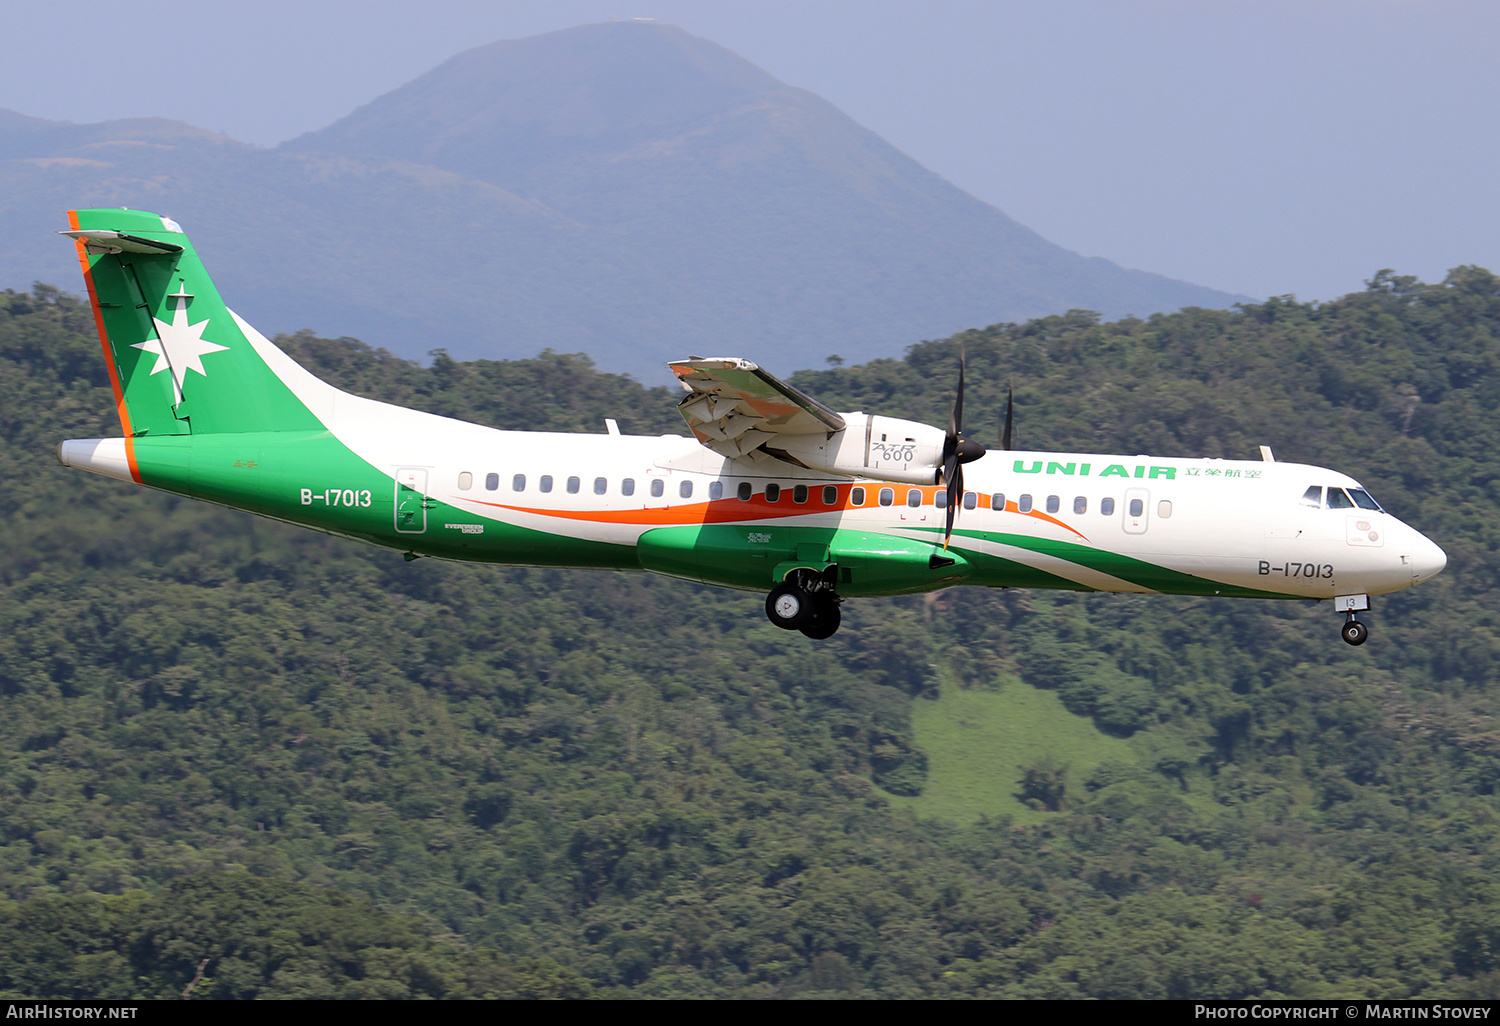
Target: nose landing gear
806,602
1354,632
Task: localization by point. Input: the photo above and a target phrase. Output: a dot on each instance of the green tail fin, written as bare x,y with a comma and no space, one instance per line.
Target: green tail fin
180,361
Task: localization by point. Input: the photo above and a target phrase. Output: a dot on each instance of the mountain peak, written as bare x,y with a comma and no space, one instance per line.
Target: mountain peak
627,189
558,95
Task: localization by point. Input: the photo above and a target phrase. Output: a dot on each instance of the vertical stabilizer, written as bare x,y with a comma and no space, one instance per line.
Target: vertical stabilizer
178,358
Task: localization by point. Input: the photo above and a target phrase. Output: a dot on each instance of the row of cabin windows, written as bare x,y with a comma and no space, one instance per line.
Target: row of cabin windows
830,494
1339,498
574,485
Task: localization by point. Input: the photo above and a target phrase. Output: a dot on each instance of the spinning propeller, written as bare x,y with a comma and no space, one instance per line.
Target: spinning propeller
958,450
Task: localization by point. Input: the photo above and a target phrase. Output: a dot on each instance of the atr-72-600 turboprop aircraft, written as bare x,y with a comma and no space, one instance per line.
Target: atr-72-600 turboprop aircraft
775,492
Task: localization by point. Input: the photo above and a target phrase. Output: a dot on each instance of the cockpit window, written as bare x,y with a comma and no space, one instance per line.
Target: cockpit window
1313,496
1338,500
1363,499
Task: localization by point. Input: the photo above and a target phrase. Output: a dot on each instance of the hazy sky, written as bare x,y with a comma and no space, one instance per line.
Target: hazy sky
1262,147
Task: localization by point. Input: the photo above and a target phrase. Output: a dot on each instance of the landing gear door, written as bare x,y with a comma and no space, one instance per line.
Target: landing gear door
411,500
1137,510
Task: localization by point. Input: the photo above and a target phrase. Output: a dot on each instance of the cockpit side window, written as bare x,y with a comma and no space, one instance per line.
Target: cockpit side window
1313,496
1338,500
1363,499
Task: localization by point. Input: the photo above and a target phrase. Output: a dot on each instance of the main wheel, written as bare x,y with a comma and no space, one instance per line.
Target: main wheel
1355,633
825,621
789,607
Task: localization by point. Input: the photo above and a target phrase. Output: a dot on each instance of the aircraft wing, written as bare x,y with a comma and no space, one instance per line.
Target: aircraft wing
734,407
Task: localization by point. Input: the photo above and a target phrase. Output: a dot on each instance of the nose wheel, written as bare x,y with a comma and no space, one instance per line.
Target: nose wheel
806,602
1355,632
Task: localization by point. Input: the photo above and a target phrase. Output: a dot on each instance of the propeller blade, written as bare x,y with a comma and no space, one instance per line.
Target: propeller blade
957,450
955,419
955,494
1010,409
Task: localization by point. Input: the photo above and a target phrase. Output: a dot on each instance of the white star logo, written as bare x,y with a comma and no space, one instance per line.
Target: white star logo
179,347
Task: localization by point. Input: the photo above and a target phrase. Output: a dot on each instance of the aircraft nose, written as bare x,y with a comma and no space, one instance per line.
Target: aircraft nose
1426,559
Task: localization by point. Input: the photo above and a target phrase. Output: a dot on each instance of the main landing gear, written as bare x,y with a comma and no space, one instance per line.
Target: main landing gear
806,602
1354,632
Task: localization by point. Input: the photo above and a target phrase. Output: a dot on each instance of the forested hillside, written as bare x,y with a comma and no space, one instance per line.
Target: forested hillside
331,772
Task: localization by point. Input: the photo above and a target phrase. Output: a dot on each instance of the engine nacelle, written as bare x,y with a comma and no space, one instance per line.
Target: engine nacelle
871,446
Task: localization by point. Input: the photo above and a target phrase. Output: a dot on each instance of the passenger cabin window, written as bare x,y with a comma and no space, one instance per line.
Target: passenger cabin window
1053,504
887,496
1080,505
465,481
997,502
1164,508
658,487
1107,507
773,492
1313,496
685,489
970,500
745,491
627,486
1338,500
830,495
1137,507
544,482
940,498
600,486
799,494
716,489
1363,499
1025,504
492,482
856,496
913,498
573,484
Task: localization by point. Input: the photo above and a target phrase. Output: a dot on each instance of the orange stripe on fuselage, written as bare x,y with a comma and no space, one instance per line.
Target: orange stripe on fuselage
722,511
109,356
1011,507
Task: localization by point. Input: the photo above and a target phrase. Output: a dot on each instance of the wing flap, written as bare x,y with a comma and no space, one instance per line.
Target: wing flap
734,407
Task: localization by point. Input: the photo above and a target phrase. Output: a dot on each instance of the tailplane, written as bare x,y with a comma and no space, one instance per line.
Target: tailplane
180,361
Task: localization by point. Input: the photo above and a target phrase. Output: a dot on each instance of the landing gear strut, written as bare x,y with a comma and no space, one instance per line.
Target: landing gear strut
1354,632
806,602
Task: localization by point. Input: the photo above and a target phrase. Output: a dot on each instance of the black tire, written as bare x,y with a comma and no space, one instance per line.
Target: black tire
825,622
789,607
1356,633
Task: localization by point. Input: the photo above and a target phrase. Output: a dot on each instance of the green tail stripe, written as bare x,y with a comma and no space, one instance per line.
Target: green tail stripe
184,365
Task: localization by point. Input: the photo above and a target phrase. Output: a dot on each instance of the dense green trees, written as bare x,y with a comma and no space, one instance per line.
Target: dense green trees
332,772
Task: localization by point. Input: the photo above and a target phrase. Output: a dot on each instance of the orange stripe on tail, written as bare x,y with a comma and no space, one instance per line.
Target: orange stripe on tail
109,356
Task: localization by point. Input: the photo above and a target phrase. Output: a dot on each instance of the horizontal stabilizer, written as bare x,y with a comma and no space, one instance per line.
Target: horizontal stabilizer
101,240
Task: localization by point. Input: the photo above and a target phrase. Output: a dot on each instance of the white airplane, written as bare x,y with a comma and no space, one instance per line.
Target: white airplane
775,492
